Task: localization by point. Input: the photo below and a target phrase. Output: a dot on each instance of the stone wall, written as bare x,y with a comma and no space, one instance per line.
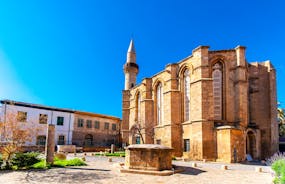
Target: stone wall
242,107
230,144
100,136
263,105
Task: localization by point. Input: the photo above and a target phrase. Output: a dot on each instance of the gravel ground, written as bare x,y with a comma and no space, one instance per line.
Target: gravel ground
99,170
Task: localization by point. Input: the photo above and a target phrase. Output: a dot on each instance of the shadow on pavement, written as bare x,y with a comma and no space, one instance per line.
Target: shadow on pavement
89,169
67,175
190,170
254,162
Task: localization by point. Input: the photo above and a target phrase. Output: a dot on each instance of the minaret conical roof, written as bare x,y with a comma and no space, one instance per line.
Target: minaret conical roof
132,47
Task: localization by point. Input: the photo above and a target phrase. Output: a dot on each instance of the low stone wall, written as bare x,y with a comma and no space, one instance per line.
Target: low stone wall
66,148
28,148
98,149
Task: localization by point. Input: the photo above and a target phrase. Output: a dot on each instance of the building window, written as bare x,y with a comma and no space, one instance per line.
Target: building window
97,124
217,90
186,95
60,120
88,141
43,118
80,122
41,140
106,127
89,123
186,145
138,140
159,104
138,107
158,141
22,116
114,127
61,140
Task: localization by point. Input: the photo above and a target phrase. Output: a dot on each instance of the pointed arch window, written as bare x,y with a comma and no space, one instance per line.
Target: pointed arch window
159,103
217,75
186,95
138,107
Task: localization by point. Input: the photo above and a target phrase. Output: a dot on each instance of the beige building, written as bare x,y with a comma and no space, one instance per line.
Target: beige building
95,130
212,105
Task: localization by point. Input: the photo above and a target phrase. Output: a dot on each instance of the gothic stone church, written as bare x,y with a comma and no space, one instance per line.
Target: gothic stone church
212,105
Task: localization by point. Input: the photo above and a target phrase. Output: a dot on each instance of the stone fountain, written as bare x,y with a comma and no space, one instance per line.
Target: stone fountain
151,159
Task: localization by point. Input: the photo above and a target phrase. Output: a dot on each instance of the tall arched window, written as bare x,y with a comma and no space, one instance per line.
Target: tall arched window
159,103
138,107
218,91
186,95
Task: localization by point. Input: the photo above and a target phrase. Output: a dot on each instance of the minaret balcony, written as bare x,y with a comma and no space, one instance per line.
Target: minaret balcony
131,65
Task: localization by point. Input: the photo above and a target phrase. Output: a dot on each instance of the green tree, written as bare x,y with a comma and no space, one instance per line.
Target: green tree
281,121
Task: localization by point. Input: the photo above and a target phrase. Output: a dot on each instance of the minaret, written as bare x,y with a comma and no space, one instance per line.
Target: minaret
131,68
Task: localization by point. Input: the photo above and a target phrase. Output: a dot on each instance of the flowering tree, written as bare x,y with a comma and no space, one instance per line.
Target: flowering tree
14,134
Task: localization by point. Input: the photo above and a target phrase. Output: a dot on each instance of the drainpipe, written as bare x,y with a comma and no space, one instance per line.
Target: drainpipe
54,126
51,117
69,129
5,109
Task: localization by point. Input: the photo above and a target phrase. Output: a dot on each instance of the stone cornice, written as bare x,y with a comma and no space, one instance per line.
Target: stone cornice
202,79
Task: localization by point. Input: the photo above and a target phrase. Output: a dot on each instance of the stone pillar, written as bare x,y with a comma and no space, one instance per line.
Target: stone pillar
241,87
175,106
274,139
202,112
49,149
112,148
147,111
125,118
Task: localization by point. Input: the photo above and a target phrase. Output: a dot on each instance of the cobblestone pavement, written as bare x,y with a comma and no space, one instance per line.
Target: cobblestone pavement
100,171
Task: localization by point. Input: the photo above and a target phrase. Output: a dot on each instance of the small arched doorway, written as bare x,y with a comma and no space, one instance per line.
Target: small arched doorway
88,140
251,144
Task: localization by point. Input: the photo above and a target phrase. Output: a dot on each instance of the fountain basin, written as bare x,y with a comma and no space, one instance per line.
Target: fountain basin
148,157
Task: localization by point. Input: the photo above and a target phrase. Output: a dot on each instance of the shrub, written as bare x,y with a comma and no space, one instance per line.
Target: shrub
1,160
279,167
277,162
25,160
8,153
41,165
72,162
75,162
60,156
116,154
275,157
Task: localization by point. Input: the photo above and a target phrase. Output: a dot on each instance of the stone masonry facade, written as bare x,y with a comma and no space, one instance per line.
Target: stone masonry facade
212,105
95,130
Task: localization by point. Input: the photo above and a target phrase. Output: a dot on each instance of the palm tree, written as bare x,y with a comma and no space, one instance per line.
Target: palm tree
281,121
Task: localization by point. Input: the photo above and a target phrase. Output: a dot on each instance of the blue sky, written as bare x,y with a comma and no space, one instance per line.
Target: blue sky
71,53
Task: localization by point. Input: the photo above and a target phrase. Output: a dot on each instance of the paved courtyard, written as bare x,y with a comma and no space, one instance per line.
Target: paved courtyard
99,170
